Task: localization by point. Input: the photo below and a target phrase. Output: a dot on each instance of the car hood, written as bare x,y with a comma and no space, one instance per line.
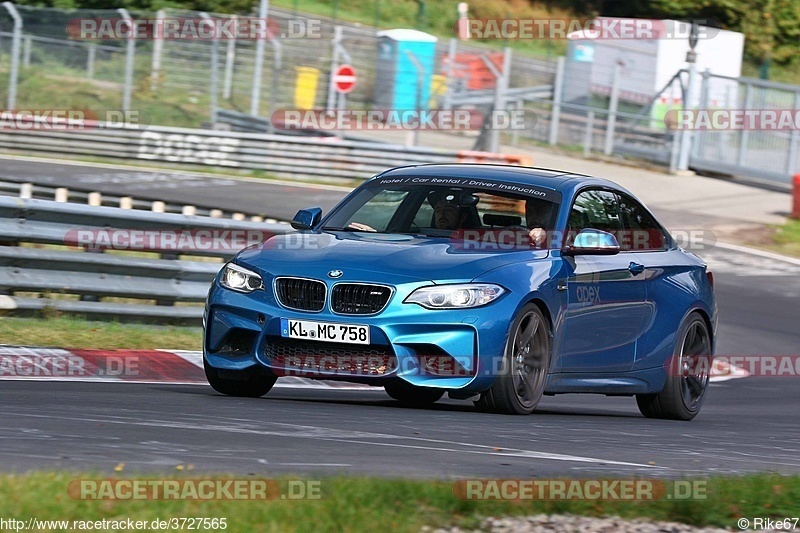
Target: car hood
377,257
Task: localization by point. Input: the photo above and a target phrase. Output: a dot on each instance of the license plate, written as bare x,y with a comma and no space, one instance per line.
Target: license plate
324,331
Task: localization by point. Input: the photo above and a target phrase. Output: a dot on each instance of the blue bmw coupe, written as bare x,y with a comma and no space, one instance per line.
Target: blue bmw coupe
497,284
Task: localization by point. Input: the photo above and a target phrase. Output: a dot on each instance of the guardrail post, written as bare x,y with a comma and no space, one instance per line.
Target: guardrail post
611,124
62,195
129,58
13,76
255,93
95,199
126,202
26,191
558,89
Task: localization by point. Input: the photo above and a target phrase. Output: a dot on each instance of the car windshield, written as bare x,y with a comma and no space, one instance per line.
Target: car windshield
429,207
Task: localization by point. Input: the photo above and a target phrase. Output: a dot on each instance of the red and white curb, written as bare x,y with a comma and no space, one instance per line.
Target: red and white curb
168,366
130,366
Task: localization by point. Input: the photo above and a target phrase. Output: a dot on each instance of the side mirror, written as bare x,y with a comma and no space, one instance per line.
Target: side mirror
593,242
307,218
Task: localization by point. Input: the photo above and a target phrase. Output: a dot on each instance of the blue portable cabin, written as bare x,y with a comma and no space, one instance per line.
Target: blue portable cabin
396,76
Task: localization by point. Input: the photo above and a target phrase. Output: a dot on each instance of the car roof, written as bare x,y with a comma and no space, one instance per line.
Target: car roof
558,180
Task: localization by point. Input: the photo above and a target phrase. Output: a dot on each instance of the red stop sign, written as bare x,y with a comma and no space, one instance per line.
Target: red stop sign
344,79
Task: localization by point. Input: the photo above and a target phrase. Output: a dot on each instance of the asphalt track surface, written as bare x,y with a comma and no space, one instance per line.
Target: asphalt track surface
746,425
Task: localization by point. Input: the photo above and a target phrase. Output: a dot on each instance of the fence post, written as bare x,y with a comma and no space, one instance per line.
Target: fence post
686,134
587,138
337,37
129,57
744,135
230,59
555,115
501,85
451,69
13,76
26,51
608,147
277,60
702,137
413,138
90,54
158,48
255,93
213,85
793,137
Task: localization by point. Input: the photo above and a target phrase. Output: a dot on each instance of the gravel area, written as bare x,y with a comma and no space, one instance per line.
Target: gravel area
573,524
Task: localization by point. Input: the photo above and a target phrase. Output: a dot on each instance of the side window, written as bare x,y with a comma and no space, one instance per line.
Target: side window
379,210
595,209
642,232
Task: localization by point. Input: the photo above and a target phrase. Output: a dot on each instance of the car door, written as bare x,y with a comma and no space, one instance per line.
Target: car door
605,295
667,280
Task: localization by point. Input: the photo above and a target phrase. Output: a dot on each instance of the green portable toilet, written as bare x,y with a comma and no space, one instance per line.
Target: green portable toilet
396,77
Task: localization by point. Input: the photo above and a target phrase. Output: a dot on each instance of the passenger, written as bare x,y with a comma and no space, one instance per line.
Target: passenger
537,218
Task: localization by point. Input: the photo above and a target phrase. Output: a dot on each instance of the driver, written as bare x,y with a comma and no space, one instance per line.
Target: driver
447,214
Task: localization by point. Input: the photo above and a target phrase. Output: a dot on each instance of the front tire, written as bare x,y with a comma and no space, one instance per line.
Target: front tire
411,395
242,383
526,361
688,375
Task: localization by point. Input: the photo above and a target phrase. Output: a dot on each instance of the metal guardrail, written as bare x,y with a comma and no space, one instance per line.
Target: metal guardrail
276,154
88,196
46,264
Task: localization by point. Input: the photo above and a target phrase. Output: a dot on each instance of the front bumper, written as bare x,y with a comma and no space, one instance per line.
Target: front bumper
456,350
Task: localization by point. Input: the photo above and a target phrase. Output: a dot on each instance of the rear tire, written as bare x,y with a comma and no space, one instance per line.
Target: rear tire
688,373
411,395
526,361
242,383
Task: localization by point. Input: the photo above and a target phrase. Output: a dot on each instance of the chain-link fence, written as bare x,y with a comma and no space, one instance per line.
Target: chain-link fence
615,105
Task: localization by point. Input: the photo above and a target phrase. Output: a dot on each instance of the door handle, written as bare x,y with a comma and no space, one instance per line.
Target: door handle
635,268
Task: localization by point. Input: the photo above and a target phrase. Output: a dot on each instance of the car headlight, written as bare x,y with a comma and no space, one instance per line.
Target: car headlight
240,279
455,296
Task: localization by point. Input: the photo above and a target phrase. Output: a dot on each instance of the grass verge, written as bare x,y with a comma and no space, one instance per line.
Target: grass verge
369,504
66,332
786,238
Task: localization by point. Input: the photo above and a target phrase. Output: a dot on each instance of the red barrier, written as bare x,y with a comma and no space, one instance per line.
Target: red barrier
796,196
